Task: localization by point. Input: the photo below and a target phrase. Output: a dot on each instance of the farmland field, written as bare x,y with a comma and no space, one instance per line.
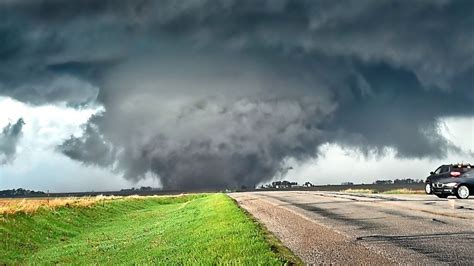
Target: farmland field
189,229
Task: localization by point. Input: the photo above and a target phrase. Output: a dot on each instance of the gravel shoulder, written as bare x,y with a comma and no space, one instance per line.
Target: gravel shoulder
312,242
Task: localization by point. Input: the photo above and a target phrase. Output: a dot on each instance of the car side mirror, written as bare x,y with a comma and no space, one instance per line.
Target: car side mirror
431,173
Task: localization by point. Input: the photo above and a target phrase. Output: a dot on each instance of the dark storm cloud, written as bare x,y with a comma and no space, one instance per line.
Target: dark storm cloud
219,93
391,108
9,137
91,148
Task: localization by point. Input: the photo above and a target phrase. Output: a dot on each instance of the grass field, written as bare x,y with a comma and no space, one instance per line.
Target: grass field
31,205
191,229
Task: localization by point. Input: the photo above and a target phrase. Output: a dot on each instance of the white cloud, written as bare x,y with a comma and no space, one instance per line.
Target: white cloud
46,124
459,131
37,165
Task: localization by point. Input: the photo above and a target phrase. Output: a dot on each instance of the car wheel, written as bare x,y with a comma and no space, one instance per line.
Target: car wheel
428,188
443,196
462,192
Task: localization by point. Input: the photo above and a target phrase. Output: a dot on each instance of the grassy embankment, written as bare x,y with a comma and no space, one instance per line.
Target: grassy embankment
192,229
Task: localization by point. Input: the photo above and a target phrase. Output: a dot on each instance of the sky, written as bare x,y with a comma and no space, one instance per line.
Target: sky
104,95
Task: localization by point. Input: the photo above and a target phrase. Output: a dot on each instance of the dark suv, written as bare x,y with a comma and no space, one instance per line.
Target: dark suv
461,187
445,171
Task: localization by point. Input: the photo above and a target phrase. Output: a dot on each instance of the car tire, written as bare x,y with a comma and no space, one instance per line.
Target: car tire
443,196
462,192
428,189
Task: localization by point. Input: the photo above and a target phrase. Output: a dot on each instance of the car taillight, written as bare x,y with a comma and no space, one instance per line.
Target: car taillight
455,174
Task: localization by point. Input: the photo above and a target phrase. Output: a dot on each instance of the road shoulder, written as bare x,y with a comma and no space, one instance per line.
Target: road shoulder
312,242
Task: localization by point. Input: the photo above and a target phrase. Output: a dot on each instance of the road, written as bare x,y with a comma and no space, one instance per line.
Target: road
341,228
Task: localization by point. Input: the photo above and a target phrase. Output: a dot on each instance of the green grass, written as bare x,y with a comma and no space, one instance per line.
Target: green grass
193,229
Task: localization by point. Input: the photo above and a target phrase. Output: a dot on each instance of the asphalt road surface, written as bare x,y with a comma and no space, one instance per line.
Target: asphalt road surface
348,228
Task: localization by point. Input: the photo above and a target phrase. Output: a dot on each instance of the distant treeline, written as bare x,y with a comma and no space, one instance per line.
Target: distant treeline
400,181
140,189
20,192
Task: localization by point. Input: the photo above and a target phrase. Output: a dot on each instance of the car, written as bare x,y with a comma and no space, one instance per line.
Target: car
461,187
445,171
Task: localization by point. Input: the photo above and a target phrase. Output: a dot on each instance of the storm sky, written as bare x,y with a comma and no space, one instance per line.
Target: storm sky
201,94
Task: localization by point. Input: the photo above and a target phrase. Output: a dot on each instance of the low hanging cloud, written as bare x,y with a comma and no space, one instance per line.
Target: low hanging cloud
9,137
215,94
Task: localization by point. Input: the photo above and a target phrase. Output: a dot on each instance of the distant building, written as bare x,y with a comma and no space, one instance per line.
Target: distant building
284,184
347,183
383,182
308,184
